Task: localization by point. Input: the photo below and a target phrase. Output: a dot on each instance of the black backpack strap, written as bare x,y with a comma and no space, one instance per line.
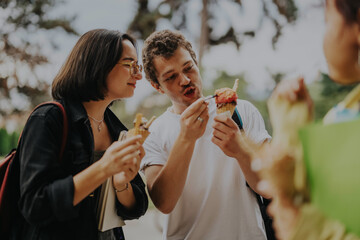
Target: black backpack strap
237,118
262,202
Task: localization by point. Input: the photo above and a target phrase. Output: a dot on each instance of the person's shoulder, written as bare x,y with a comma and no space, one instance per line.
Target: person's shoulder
48,116
161,121
47,110
245,105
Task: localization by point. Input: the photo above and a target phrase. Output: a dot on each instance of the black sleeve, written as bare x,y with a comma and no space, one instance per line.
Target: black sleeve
46,191
141,201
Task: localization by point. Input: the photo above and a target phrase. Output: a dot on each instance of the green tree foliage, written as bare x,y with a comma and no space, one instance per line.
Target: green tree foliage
8,141
19,52
326,94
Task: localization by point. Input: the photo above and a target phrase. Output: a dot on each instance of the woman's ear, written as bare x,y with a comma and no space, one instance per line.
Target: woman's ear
157,87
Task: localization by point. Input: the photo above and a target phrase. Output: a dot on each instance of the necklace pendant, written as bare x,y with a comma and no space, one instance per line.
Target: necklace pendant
99,127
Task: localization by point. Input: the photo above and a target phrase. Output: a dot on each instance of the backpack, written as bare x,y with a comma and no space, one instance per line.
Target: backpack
262,202
10,182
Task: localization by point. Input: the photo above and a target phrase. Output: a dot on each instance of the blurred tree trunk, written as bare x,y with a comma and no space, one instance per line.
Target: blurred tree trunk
204,37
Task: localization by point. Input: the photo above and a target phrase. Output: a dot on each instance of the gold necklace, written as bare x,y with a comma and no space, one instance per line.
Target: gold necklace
99,122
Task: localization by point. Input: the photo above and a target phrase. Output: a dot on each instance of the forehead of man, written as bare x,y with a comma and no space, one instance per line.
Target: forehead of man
176,62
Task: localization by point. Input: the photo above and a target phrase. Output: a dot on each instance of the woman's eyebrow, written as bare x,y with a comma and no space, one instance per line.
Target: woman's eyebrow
128,59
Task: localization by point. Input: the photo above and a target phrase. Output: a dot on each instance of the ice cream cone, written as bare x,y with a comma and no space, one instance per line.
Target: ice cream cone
226,99
141,126
138,131
226,107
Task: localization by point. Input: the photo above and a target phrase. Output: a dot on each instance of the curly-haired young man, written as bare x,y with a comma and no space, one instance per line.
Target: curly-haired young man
193,156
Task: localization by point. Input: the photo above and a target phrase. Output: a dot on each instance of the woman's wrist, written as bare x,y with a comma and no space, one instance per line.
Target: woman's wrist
105,167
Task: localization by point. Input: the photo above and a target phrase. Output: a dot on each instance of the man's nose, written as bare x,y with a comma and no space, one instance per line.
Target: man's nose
184,80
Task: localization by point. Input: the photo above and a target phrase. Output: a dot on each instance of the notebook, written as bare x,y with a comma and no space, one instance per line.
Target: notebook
107,216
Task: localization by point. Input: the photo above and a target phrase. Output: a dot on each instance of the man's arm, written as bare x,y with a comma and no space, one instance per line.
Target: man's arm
166,183
234,144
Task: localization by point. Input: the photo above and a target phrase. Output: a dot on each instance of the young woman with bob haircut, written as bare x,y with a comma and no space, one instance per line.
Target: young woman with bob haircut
59,199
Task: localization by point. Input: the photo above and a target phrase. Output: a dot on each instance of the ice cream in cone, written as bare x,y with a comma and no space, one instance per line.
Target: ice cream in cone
141,127
225,99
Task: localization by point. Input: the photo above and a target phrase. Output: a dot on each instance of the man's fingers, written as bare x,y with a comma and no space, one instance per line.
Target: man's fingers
223,120
220,127
203,117
194,107
219,135
216,141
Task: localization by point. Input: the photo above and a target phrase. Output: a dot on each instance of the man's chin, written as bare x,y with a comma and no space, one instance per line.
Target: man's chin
344,79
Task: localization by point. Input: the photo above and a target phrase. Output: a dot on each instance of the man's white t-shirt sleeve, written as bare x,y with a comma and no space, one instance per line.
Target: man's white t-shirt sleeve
154,154
253,123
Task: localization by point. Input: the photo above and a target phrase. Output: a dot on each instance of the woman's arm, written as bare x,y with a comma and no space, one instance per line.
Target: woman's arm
141,200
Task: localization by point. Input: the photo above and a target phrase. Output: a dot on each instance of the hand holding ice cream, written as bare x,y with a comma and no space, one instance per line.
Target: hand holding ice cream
225,99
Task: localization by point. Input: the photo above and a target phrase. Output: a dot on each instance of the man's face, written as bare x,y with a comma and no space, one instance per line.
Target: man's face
179,79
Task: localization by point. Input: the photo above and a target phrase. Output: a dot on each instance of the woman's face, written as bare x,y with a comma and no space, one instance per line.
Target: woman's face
341,46
121,83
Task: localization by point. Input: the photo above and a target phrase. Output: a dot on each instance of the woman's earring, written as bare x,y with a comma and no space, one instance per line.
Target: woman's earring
359,57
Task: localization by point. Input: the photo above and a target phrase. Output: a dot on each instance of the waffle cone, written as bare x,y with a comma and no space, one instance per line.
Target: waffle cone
227,107
138,131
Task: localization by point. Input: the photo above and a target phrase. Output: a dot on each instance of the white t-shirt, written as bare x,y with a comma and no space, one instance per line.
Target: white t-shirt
215,202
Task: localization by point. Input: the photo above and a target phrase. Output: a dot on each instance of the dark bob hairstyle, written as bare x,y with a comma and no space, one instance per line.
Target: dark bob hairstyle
83,75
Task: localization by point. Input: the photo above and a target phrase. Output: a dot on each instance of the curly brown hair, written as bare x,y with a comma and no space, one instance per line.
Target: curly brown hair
162,44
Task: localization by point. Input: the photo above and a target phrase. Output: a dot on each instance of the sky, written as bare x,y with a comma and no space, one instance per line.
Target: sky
298,52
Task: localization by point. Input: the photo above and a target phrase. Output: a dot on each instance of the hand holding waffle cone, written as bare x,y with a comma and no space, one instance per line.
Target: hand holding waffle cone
226,98
141,127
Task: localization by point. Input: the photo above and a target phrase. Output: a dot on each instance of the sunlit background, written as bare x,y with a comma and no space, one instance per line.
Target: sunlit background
259,41
262,41
297,51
